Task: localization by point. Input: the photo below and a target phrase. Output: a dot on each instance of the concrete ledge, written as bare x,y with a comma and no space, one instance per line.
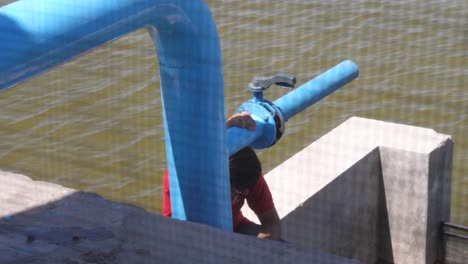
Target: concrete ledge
46,223
371,190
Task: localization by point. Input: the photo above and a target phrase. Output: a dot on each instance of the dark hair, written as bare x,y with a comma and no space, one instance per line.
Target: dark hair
244,168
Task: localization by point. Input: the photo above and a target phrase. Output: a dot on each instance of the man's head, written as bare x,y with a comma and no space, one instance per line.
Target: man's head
244,169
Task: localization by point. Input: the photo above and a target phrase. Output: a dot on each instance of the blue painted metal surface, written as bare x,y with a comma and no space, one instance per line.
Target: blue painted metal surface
316,89
37,35
270,129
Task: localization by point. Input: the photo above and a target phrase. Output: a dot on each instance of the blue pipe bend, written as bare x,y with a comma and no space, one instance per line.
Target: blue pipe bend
37,35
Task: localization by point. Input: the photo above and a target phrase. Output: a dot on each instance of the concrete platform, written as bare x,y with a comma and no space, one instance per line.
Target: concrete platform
46,223
370,190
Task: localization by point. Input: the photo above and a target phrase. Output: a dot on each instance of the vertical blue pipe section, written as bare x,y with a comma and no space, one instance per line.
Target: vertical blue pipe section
37,35
316,89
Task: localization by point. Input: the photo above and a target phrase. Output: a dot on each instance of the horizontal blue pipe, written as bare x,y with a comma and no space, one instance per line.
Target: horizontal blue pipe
316,89
291,104
38,35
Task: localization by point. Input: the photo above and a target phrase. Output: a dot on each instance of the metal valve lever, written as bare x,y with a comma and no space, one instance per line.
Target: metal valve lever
284,80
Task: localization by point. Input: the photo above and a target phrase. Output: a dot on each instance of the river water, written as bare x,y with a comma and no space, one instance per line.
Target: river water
95,123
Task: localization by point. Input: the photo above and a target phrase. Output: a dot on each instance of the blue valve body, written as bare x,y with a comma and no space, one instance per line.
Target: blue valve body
264,111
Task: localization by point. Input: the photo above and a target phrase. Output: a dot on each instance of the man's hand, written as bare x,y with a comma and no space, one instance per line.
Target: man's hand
264,235
271,225
242,120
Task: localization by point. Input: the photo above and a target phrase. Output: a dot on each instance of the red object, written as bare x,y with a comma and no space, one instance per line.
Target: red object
166,206
258,198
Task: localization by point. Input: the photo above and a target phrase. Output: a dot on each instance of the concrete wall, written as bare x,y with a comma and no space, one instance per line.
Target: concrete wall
46,223
369,190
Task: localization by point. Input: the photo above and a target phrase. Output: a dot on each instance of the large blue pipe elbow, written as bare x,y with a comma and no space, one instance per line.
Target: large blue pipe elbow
37,35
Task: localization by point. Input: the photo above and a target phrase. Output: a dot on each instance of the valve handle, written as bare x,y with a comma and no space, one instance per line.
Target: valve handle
284,80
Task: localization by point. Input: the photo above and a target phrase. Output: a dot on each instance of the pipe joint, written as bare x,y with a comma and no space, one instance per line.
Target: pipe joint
267,115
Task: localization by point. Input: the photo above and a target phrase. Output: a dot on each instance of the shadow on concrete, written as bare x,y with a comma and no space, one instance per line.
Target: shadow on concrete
384,238
85,228
347,217
62,231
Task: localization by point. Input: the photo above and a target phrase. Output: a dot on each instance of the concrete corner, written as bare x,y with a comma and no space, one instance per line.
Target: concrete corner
370,190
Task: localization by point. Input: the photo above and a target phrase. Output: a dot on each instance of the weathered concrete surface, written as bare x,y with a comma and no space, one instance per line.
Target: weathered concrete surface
46,223
370,190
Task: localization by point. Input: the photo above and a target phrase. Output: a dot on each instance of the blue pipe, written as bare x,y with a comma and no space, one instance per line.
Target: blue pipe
316,89
37,35
285,107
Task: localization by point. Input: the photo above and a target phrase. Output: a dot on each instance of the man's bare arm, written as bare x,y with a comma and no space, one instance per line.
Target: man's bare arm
270,225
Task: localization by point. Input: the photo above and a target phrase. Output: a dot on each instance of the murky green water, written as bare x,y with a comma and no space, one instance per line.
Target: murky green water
95,123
